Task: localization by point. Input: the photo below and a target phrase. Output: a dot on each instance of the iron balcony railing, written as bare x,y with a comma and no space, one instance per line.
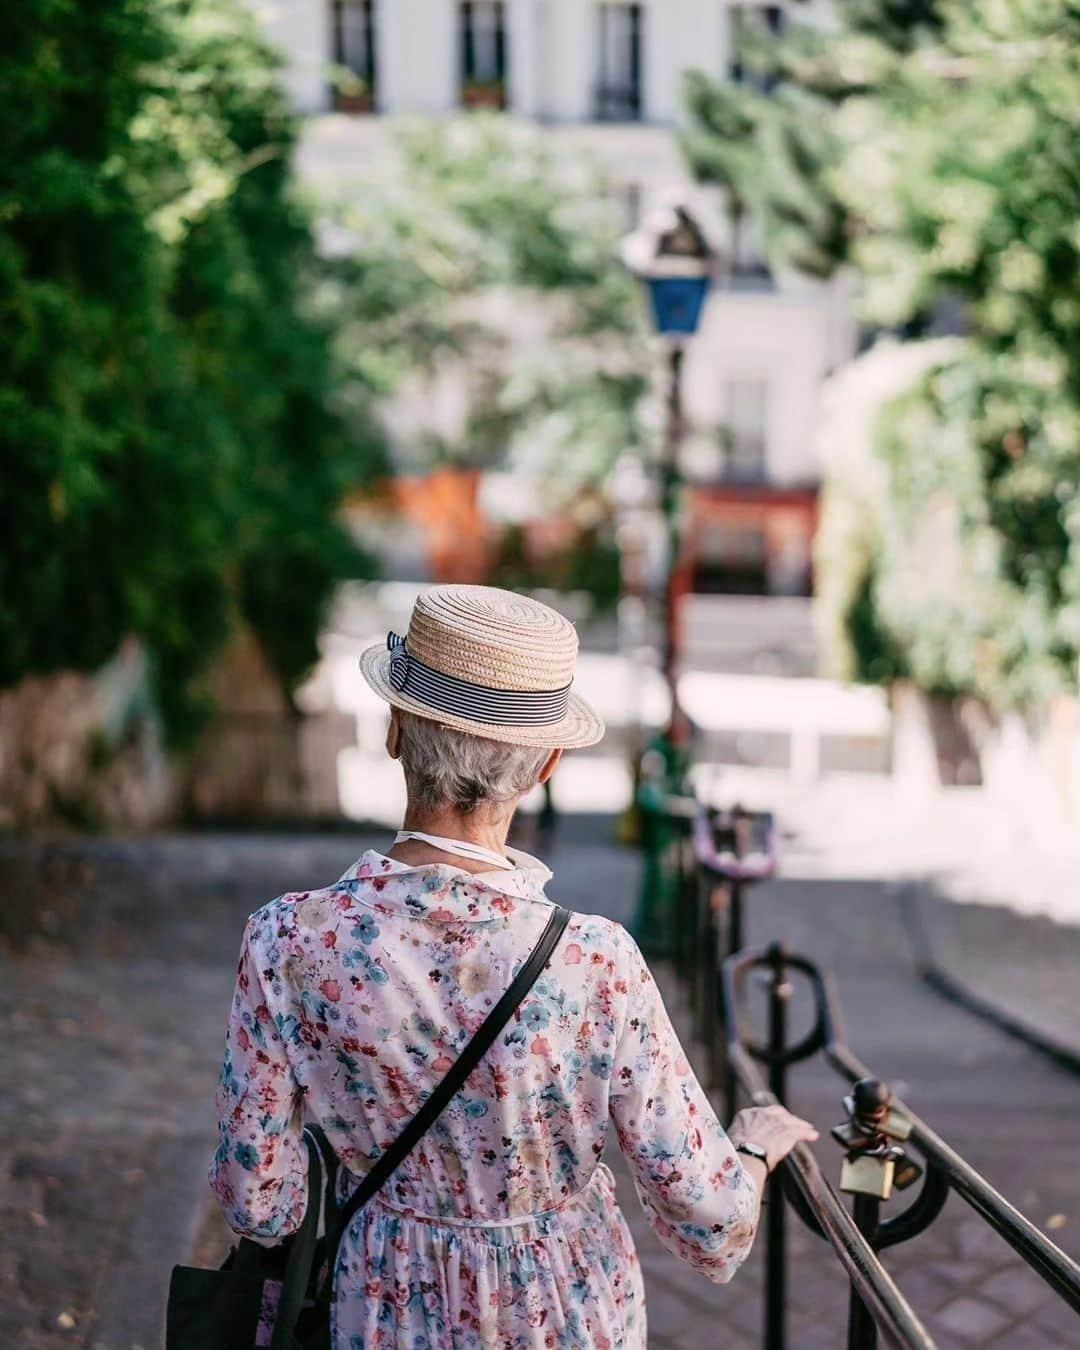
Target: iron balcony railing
617,102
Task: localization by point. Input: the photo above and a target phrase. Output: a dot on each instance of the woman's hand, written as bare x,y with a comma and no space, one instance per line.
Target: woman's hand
772,1128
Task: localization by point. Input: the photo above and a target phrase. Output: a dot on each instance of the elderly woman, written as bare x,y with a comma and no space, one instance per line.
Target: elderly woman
501,1228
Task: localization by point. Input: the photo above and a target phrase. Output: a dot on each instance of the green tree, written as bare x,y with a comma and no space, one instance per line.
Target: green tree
176,431
770,140
944,172
491,261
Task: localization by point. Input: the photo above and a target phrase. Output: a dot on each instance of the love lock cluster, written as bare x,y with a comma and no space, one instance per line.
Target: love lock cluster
875,1162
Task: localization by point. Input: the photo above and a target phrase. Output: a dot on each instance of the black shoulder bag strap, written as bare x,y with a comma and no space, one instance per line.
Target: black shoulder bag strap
302,1247
455,1078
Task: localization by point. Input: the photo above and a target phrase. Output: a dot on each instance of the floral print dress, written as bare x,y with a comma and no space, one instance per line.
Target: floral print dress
501,1229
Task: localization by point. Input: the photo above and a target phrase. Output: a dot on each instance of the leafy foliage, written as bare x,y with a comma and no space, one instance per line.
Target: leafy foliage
591,563
772,142
944,170
171,410
487,269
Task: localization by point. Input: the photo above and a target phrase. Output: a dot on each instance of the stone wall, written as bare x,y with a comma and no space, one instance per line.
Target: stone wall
86,753
84,750
262,760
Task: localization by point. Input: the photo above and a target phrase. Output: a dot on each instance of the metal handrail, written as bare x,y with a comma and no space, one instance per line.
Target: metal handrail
1047,1259
877,1303
945,1169
706,901
877,1289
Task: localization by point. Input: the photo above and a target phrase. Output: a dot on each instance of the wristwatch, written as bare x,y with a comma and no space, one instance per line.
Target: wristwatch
754,1151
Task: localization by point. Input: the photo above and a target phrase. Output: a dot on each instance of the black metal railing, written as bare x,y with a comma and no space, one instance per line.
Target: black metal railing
876,1137
617,102
801,1183
1029,1242
709,861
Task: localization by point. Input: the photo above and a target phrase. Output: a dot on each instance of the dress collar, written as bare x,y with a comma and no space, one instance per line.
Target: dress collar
443,892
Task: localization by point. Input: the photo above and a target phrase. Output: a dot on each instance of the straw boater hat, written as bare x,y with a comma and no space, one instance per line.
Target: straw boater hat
488,662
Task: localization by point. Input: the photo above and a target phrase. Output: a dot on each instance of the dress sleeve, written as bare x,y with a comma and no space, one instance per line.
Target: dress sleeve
698,1198
259,1172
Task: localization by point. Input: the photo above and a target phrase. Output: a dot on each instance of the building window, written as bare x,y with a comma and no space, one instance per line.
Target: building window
748,24
747,409
483,54
747,267
353,30
732,559
618,67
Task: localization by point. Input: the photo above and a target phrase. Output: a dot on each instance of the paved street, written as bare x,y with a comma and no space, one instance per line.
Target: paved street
113,1031
1006,1109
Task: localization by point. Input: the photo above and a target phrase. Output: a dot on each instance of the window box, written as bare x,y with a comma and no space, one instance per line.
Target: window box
490,94
617,103
354,100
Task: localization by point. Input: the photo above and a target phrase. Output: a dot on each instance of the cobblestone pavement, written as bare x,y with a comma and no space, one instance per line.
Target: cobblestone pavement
112,1030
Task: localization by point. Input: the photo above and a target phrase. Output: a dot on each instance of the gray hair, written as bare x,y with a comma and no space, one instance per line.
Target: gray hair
448,768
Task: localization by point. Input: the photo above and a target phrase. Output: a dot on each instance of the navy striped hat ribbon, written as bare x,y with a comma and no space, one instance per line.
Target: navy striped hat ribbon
476,702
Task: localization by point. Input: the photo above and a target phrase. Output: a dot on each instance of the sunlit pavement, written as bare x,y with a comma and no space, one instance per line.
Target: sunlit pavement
114,1032
1003,1106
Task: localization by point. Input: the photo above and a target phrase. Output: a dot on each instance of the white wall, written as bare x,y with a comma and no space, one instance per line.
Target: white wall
300,30
418,56
676,35
568,47
525,30
778,336
679,35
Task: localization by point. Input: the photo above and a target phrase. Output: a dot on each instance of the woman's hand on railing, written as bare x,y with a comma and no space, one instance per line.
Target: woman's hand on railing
772,1128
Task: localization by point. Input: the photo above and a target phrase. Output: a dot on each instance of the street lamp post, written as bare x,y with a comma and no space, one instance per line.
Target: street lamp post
672,257
669,504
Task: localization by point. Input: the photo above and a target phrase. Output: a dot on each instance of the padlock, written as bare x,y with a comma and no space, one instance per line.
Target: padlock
906,1173
869,1099
868,1174
896,1126
892,1123
853,1136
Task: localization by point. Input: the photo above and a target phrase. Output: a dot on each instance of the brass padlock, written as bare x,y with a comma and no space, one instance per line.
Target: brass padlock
868,1174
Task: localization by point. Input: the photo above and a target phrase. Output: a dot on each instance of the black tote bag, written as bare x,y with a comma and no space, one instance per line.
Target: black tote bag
225,1309
222,1309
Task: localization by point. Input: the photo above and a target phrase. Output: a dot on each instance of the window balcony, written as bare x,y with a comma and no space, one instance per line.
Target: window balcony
749,276
617,103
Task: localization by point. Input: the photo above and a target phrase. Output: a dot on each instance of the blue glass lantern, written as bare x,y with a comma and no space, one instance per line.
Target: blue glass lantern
677,303
672,257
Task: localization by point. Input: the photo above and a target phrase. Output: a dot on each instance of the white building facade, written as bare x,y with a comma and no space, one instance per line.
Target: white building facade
606,78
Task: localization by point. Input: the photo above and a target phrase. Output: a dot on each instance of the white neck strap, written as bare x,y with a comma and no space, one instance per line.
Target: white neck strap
461,847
